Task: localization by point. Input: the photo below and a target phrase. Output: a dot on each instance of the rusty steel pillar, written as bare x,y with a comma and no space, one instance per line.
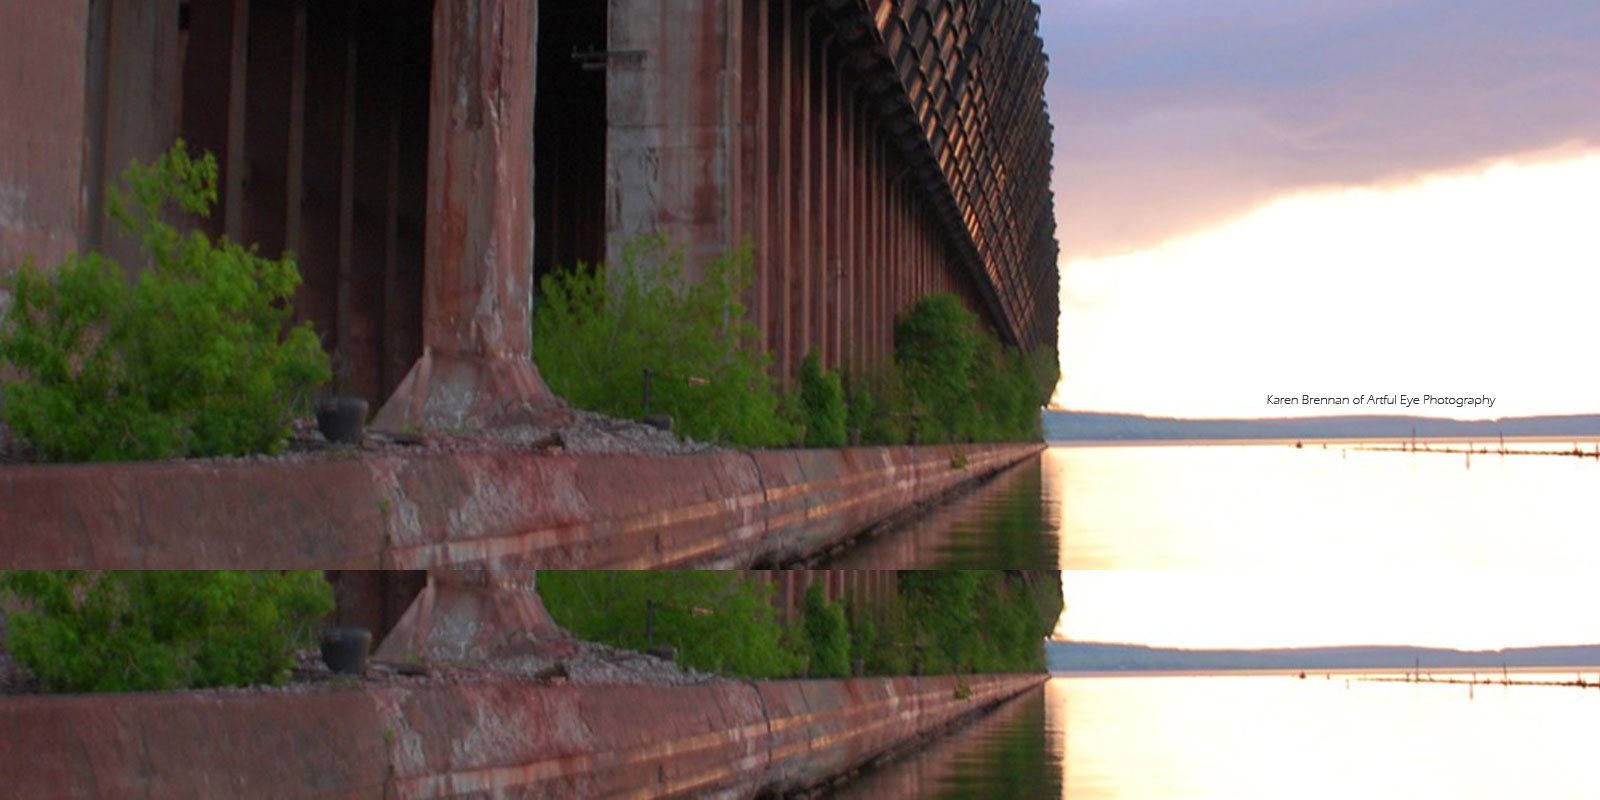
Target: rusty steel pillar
476,368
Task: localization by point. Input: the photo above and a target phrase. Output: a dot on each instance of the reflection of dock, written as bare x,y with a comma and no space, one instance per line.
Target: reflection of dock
1470,450
1578,681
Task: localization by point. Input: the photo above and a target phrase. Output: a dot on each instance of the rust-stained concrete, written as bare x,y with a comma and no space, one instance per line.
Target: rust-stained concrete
484,737
42,55
721,509
476,366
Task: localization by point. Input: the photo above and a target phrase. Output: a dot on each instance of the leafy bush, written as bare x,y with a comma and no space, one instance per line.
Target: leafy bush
822,399
959,621
859,403
193,359
934,346
719,621
597,330
827,635
959,383
135,631
937,622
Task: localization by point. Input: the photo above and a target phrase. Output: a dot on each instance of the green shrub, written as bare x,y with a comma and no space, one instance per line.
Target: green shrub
719,621
195,358
935,343
597,330
959,621
863,634
827,635
1007,395
859,404
822,399
885,407
960,384
136,631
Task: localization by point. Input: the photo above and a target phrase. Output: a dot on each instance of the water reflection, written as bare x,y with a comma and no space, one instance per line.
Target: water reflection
1277,736
1278,507
1007,523
1259,506
1260,736
1005,754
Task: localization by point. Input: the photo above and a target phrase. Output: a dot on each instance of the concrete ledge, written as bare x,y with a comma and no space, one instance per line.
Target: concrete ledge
723,509
487,738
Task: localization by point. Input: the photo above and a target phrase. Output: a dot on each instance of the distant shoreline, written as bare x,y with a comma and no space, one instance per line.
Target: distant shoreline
1075,427
1312,672
1124,659
1314,442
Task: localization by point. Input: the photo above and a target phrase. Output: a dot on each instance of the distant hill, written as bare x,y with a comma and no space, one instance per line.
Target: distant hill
1079,426
1098,657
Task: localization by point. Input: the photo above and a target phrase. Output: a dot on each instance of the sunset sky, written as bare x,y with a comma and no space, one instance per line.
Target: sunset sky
1375,196
1248,609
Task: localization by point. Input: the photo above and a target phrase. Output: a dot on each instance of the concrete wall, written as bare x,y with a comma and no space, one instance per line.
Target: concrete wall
666,125
723,509
42,56
486,737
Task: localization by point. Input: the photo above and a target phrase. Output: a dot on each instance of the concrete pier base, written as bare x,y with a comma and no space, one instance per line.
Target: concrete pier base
474,615
495,738
426,509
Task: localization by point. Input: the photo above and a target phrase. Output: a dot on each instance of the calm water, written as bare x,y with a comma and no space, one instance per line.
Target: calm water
1270,736
1147,507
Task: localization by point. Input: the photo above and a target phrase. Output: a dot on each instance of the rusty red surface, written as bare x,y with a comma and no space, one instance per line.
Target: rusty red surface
722,509
486,737
478,284
41,132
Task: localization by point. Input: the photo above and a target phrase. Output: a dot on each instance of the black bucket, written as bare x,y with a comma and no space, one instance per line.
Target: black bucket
341,419
344,650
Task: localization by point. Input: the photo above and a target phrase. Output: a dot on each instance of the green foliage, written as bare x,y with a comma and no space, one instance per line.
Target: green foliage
934,346
597,330
719,621
827,635
939,622
881,635
884,407
859,403
822,399
195,358
863,635
150,630
961,621
954,382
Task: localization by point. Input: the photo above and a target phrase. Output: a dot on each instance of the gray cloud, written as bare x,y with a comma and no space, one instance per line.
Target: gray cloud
1173,115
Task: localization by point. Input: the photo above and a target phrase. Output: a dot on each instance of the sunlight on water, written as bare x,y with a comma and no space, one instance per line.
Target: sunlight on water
1262,736
1265,506
1007,523
1277,736
1228,506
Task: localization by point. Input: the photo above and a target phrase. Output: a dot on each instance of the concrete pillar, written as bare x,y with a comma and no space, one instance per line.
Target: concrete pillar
474,615
805,243
783,262
42,55
476,368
